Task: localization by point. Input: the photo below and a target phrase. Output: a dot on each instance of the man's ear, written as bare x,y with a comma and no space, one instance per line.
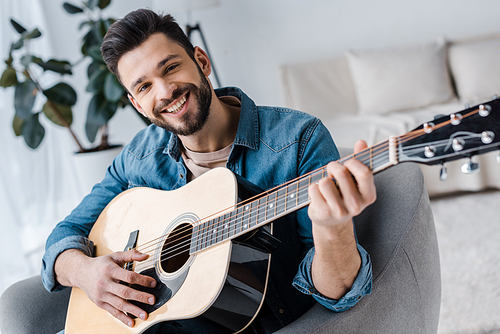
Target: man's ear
203,61
136,105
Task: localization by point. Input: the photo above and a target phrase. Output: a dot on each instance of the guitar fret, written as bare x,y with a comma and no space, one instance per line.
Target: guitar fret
281,201
253,214
219,229
271,205
316,176
291,196
195,241
226,226
205,233
303,191
261,215
239,220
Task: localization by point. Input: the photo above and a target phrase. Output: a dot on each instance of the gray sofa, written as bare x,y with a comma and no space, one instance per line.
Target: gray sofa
398,232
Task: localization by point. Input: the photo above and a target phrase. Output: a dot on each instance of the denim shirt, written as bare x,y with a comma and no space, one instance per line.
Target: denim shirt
272,146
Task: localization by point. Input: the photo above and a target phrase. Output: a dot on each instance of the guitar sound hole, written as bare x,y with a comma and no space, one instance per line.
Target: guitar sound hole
175,251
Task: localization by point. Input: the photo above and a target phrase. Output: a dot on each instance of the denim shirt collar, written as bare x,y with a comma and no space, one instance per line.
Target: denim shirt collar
248,126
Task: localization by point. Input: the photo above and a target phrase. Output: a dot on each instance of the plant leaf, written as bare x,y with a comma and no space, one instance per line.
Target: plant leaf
92,4
96,80
58,66
104,3
26,60
72,9
99,113
19,28
17,125
33,131
24,99
9,77
113,90
83,24
51,109
17,45
62,93
35,33
92,38
95,52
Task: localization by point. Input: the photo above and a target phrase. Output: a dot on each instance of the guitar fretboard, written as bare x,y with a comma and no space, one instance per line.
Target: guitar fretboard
272,204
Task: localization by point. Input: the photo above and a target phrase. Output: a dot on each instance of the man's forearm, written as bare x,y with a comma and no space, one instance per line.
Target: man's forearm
336,260
67,267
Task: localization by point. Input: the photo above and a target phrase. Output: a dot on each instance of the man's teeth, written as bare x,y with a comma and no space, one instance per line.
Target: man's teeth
178,106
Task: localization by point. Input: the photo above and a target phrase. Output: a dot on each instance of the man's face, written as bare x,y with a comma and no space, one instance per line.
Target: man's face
166,85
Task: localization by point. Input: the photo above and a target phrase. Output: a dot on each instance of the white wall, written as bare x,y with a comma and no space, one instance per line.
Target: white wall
249,40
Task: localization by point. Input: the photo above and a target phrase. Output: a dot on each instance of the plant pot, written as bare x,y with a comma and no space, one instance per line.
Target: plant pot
91,167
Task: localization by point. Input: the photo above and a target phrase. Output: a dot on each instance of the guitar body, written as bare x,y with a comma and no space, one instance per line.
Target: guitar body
214,283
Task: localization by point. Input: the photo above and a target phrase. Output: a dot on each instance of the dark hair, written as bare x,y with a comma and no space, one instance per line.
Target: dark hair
134,29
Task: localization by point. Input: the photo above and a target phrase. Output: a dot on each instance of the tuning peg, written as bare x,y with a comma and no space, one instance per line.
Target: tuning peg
498,157
470,167
467,106
443,173
484,110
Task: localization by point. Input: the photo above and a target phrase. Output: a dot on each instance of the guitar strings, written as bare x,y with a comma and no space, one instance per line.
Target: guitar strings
366,154
184,244
369,152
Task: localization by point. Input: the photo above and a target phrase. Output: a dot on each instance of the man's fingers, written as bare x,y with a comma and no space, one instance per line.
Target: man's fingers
127,293
129,256
365,185
129,276
132,277
360,146
119,314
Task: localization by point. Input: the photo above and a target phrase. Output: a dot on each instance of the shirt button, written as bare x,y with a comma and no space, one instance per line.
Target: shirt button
281,311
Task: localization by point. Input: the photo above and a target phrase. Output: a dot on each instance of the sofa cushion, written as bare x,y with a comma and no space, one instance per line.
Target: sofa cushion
400,78
476,69
322,88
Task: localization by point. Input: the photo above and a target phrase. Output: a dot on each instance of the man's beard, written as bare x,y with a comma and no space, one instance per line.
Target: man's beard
191,122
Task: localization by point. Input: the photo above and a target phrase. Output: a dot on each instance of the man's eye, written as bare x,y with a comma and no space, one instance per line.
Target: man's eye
142,88
171,68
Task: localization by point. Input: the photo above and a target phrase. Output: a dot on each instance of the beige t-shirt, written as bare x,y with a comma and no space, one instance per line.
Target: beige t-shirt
200,163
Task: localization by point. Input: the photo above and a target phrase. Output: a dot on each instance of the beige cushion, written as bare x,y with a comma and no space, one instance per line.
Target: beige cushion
400,78
476,69
322,88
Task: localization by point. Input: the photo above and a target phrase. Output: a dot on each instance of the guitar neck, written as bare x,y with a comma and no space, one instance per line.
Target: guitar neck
280,201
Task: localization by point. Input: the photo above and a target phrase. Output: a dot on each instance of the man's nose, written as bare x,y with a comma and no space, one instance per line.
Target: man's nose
164,90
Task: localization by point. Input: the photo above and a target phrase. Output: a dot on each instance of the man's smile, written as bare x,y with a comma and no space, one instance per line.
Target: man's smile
176,106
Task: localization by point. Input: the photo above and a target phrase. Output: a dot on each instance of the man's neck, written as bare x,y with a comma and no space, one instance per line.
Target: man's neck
218,132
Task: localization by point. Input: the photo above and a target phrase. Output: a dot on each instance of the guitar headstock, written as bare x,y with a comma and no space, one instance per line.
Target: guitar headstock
472,131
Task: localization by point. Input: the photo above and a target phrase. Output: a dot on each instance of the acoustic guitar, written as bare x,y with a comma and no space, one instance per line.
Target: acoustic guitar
211,255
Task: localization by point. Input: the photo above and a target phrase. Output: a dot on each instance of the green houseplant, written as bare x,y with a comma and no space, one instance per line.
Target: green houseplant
107,93
23,72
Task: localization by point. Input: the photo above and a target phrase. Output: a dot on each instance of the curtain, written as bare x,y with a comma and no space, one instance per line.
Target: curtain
38,187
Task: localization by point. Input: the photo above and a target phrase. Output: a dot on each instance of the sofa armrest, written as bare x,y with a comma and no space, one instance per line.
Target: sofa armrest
399,234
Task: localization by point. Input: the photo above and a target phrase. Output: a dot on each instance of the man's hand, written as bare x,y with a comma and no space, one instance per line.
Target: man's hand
101,278
336,260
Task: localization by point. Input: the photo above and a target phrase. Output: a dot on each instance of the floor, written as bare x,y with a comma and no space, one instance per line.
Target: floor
468,229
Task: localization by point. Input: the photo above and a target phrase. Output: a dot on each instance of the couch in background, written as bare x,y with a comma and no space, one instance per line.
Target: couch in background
374,94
